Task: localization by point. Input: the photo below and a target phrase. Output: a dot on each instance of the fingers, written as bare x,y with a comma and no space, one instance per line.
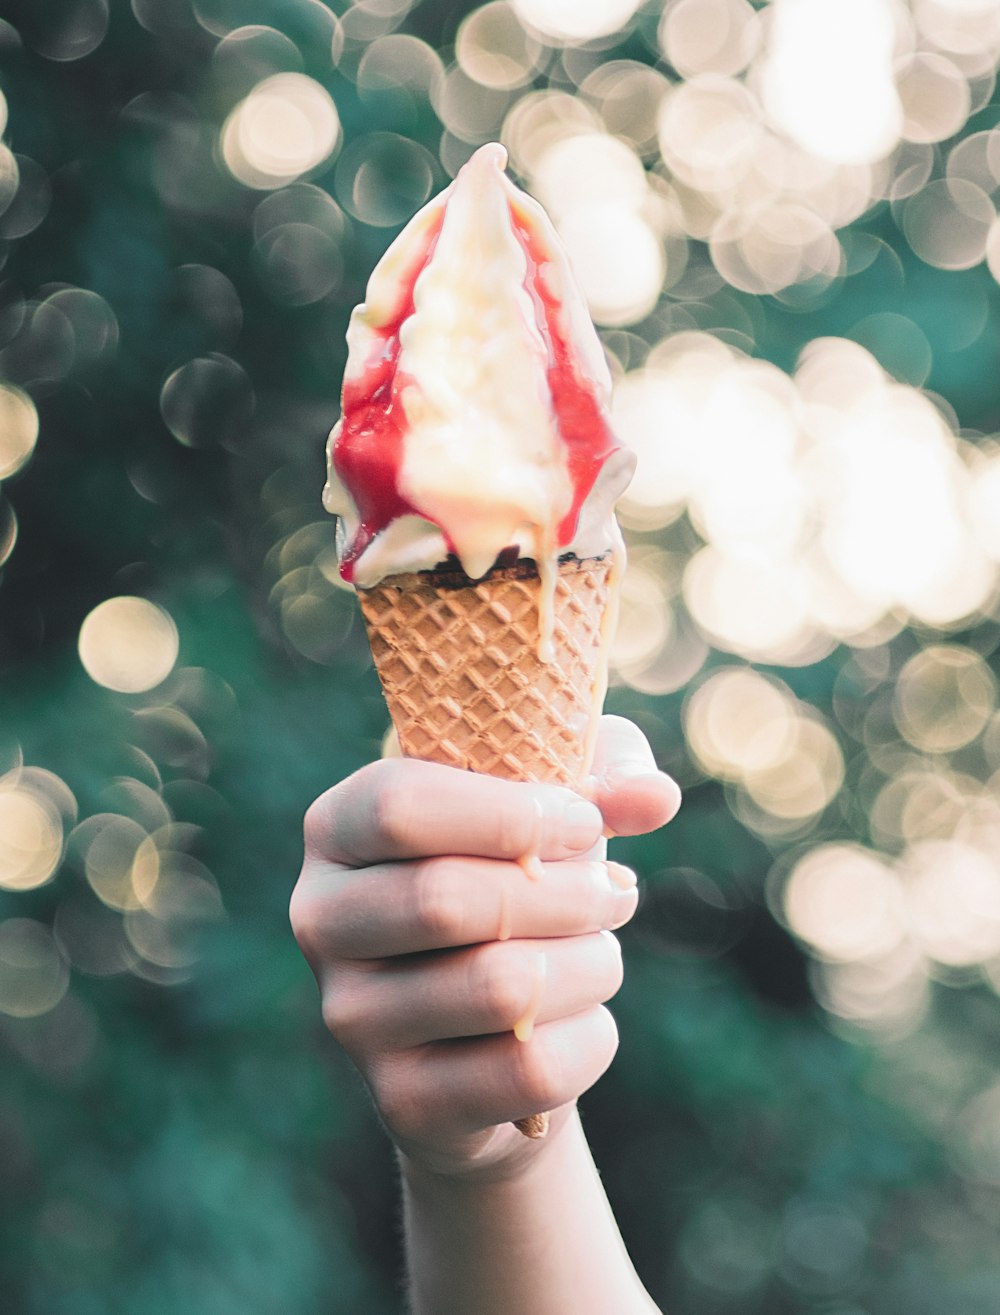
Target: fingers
634,796
404,908
401,808
477,1083
493,988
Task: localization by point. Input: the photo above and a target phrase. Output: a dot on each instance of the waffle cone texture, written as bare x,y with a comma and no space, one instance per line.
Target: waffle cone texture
461,672
460,669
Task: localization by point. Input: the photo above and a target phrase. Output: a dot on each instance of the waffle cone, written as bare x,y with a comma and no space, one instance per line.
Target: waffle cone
461,672
462,676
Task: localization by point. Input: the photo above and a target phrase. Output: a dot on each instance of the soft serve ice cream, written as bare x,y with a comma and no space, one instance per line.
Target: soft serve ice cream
475,400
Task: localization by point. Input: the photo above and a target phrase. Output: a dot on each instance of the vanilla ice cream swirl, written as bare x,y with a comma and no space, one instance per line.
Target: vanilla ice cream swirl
475,401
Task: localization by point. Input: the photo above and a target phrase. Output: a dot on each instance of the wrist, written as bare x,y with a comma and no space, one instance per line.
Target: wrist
503,1157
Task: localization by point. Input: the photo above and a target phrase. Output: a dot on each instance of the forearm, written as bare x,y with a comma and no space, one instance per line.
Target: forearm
542,1243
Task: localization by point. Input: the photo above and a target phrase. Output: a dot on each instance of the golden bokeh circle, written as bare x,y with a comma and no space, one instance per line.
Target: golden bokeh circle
945,696
845,902
285,127
18,429
31,837
128,644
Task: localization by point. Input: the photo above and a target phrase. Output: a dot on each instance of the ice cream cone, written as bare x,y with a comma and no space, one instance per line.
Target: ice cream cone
475,423
465,682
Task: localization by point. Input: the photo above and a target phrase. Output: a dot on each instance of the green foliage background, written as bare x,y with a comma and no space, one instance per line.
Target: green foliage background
192,1141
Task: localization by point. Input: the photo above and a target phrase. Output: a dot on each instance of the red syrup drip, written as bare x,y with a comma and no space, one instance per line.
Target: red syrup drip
581,416
368,451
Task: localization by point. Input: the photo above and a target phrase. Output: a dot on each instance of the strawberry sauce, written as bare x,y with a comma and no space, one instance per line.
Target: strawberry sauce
368,451
581,418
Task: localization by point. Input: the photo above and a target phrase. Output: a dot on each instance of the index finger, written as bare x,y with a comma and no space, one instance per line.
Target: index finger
401,808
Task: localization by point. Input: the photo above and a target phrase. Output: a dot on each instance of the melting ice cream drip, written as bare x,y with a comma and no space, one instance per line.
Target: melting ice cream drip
475,398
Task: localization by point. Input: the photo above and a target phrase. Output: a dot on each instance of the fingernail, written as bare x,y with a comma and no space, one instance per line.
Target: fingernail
621,877
581,824
627,901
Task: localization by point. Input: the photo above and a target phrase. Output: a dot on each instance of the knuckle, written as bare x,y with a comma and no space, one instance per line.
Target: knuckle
314,912
525,817
511,825
343,1011
393,801
399,1099
324,825
500,984
302,914
438,904
538,1076
377,793
316,824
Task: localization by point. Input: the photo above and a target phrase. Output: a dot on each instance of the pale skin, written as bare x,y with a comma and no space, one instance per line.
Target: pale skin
430,942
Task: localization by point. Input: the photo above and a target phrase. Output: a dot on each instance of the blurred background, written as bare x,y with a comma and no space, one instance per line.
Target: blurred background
784,217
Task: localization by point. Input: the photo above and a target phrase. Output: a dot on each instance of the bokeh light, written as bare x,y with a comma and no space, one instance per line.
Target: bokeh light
184,897
615,251
948,223
846,902
644,619
886,996
209,400
34,976
828,501
383,177
567,20
128,644
401,66
810,43
90,936
285,128
120,864
30,203
953,901
984,499
300,233
367,20
945,696
247,55
494,49
92,322
709,36
18,430
9,174
975,1137
209,295
628,96
75,29
31,830
739,722
8,530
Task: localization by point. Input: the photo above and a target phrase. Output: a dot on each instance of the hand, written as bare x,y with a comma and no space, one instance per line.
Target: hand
430,942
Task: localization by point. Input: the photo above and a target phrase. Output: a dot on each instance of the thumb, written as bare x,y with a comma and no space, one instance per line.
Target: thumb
634,796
